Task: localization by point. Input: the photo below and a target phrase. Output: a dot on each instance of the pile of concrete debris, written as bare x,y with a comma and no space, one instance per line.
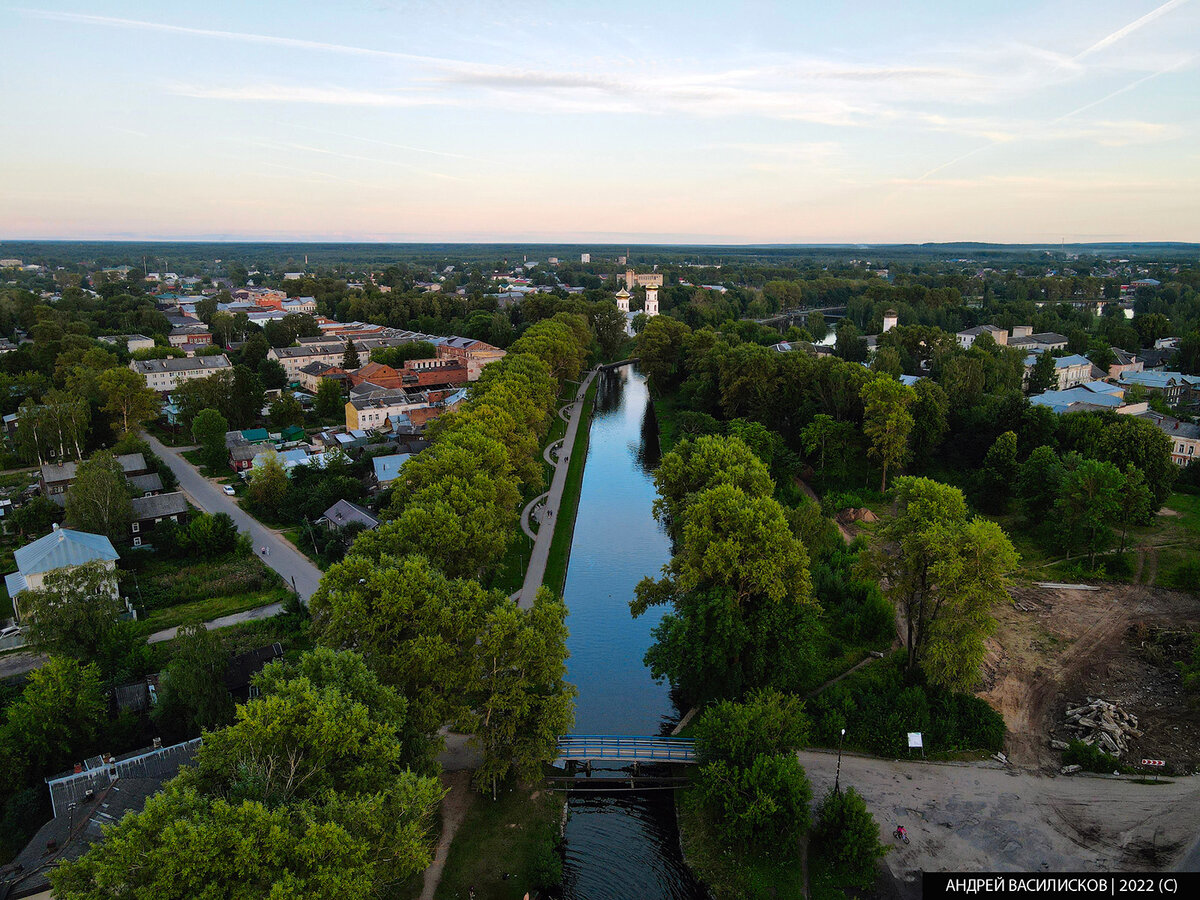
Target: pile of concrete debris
1102,724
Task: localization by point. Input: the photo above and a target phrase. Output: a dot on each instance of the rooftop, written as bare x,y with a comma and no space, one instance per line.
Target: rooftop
184,364
63,547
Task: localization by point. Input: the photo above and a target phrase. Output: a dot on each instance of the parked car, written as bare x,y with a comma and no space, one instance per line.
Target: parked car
228,489
9,631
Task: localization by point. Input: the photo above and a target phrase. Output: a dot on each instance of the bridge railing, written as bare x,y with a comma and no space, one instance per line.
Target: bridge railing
632,748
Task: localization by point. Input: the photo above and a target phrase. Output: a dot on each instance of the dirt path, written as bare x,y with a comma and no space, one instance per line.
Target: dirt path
812,495
454,809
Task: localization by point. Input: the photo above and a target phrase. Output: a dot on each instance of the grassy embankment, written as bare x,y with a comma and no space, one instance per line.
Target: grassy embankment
504,847
564,520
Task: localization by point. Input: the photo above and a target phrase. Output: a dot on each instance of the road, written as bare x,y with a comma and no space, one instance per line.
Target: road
545,534
983,817
290,563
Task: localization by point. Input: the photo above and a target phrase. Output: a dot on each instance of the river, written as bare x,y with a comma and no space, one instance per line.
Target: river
619,845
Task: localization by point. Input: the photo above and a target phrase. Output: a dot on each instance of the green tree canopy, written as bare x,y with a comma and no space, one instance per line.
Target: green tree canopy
887,422
209,428
705,462
98,499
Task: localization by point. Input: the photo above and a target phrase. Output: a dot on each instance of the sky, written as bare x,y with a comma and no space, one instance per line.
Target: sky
675,121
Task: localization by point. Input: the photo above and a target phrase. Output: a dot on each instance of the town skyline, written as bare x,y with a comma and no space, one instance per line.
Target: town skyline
539,123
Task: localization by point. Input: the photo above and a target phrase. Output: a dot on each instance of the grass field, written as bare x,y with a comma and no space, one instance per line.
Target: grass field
502,845
564,523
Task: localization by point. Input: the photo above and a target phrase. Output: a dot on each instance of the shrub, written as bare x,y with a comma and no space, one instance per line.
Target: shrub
847,836
767,723
760,808
1186,576
1091,757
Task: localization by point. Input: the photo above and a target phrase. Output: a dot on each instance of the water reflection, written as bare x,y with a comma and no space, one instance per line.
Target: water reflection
619,845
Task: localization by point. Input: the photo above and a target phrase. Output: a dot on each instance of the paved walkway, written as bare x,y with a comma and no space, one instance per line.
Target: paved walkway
571,414
259,612
292,565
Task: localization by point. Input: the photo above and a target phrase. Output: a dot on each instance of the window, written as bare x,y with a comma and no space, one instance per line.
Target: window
137,542
136,526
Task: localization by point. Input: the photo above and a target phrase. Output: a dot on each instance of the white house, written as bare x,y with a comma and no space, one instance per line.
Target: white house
62,548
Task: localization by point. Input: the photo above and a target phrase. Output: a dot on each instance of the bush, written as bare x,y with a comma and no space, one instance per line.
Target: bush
761,808
878,705
1186,576
847,836
1092,758
767,723
857,612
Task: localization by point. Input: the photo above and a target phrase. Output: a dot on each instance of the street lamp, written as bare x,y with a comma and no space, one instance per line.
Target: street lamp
837,776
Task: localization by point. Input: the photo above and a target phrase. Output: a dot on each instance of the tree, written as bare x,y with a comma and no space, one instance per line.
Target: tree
943,572
998,476
272,374
1038,484
417,627
329,403
660,348
98,499
1134,503
697,465
245,398
762,807
608,323
61,712
815,323
128,402
766,722
35,518
350,357
828,439
887,422
268,486
849,345
848,837
208,430
192,694
1088,503
73,611
286,411
742,613
929,411
522,702
1043,376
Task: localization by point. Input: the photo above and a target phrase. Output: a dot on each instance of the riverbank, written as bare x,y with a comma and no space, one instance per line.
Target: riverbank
564,522
505,847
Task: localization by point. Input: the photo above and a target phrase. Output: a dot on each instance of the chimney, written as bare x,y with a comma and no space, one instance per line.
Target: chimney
54,526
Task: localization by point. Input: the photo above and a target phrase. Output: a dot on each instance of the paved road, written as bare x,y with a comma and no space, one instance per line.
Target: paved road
290,563
259,612
549,512
987,818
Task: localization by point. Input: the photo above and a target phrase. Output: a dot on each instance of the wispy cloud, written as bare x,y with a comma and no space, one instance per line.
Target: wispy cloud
284,93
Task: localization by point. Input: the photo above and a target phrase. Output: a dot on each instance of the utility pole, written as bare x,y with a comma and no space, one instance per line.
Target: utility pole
838,774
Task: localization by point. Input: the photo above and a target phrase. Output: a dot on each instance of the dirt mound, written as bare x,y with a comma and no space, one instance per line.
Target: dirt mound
850,515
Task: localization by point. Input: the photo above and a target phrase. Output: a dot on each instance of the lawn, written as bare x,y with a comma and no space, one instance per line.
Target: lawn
512,836
564,522
171,592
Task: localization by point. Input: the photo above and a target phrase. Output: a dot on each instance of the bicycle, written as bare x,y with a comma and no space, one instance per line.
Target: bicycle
901,833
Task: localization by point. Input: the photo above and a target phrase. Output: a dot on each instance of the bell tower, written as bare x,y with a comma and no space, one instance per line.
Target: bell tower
651,301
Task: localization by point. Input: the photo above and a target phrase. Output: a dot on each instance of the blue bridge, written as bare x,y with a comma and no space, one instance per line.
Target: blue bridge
623,748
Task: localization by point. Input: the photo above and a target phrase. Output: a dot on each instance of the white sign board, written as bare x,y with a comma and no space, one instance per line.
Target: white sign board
914,740
1156,763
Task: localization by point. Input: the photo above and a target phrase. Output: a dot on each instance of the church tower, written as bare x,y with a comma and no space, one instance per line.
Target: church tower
623,300
651,302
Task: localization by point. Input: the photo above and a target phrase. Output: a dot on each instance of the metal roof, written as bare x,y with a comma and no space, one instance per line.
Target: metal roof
61,548
158,506
388,467
344,513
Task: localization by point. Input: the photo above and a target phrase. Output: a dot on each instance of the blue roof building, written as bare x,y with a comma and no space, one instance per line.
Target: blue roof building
62,548
387,468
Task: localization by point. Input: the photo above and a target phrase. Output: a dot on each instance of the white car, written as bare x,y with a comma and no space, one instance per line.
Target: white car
9,631
228,489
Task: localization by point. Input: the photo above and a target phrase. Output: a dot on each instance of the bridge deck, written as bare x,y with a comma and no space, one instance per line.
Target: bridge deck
612,748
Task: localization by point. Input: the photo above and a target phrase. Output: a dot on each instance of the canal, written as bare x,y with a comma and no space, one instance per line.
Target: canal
619,845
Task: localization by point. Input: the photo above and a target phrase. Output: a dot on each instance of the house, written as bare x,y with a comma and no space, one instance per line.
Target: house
99,792
968,336
1156,359
1123,362
190,337
146,485
1175,387
386,468
1071,370
303,305
1042,342
1184,436
345,513
371,410
62,548
150,512
56,479
241,456
132,342
292,434
425,373
310,376
164,375
376,373
241,669
256,436
1096,394
475,353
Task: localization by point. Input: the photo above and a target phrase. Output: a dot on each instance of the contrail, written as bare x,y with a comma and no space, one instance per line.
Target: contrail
1122,33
